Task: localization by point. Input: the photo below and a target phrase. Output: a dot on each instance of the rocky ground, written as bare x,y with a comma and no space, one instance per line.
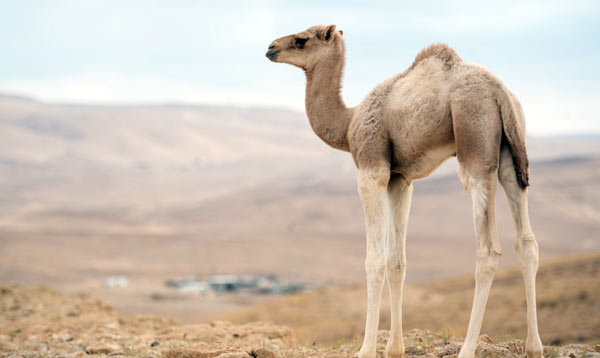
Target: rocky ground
568,302
40,322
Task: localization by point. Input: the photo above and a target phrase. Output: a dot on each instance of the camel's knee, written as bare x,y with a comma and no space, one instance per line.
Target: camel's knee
375,268
528,250
486,263
395,266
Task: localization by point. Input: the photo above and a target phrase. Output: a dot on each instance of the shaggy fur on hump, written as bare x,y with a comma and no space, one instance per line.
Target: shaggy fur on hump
442,51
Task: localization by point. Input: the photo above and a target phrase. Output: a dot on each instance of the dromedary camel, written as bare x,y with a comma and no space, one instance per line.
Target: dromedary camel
405,128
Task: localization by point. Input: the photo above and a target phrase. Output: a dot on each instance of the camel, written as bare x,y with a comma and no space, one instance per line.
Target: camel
440,107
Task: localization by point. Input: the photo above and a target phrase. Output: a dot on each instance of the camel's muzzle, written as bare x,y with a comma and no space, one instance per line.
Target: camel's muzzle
272,54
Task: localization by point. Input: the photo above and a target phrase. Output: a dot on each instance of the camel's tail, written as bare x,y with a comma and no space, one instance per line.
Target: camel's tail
513,123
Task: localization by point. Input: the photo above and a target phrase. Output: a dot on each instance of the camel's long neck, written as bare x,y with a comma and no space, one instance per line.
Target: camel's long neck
328,115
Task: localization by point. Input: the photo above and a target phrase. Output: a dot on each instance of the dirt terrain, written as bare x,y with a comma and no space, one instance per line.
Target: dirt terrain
40,322
568,298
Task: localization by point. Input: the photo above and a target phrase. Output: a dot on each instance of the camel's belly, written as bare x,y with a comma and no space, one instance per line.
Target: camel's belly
424,164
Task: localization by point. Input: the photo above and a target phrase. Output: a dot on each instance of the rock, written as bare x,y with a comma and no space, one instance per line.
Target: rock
154,344
597,348
449,350
416,351
515,347
486,339
6,346
190,353
63,336
493,351
112,325
234,355
262,353
572,355
104,349
32,337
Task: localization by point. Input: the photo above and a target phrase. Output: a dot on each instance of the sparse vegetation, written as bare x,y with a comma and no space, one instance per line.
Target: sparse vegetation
446,336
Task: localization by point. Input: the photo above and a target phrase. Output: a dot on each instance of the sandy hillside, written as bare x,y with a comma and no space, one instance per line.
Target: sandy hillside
568,298
175,191
39,322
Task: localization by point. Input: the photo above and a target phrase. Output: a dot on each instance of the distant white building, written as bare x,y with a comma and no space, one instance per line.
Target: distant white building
117,281
192,287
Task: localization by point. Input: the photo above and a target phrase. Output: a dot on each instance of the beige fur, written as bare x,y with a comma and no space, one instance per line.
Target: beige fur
404,129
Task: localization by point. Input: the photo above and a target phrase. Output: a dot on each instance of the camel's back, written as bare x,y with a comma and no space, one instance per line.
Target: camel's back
417,112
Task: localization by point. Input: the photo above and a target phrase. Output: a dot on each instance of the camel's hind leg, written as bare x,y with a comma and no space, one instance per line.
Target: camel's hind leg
478,134
482,190
400,194
527,246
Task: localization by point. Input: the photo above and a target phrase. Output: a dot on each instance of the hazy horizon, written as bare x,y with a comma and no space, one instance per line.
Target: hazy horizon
113,52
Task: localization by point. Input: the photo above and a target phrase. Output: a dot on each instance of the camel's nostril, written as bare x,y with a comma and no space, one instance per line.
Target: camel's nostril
271,46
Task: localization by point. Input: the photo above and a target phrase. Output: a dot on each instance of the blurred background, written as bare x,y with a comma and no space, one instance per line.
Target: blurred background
152,155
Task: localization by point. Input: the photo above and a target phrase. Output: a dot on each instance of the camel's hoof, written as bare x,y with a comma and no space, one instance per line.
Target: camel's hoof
394,348
462,354
366,354
534,348
534,353
394,354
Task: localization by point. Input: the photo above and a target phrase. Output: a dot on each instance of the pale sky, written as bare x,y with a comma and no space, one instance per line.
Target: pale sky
212,52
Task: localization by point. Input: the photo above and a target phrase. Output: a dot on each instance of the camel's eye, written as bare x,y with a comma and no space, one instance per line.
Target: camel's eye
300,42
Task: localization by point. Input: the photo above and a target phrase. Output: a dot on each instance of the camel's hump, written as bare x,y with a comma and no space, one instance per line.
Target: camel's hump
442,51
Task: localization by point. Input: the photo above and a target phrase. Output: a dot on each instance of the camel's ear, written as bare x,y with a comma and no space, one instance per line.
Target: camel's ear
341,32
328,33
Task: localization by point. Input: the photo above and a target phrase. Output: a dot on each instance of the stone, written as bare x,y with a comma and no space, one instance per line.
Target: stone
191,353
104,349
486,339
234,355
262,353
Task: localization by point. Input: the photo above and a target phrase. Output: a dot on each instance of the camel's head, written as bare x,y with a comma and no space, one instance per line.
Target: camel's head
306,48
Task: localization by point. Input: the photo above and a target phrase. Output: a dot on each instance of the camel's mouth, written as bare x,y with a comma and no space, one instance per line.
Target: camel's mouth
272,54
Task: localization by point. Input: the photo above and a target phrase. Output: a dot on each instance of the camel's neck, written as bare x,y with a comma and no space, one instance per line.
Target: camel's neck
328,115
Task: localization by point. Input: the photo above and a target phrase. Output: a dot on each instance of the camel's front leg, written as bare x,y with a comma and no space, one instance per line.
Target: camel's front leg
372,186
400,194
